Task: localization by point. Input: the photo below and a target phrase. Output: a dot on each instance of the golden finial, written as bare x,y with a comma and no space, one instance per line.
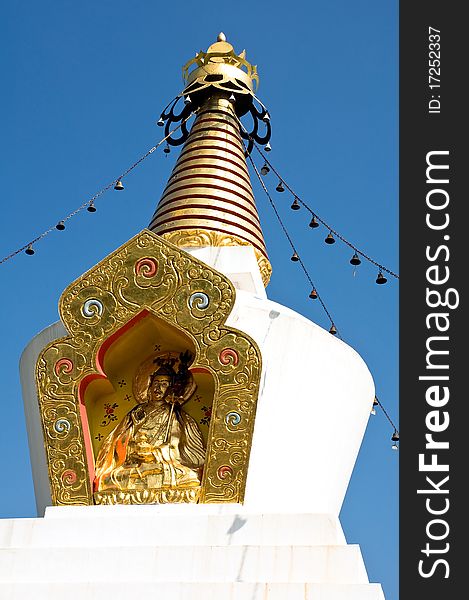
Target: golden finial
219,66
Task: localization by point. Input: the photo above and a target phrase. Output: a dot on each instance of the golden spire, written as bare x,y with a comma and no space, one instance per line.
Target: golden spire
208,200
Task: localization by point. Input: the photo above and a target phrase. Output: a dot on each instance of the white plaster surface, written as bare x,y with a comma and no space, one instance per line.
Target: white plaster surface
179,552
159,524
189,591
313,407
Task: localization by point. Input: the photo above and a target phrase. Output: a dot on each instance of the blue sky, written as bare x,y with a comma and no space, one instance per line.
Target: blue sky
84,84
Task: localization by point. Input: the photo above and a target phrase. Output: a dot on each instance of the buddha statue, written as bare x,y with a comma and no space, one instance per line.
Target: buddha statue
157,447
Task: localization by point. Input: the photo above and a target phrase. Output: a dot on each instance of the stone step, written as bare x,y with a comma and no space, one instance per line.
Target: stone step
189,591
99,526
222,564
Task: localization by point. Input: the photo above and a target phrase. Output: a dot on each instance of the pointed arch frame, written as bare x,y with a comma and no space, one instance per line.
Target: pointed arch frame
150,274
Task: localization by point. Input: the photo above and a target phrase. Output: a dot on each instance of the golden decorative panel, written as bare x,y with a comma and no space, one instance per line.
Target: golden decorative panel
148,302
204,237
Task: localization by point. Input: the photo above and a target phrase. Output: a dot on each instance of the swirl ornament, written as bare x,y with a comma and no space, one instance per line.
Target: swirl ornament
69,477
224,471
147,267
62,425
233,418
200,300
91,308
64,365
228,356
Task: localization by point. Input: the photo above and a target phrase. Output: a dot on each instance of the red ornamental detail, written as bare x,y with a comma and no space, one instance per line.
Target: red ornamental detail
109,414
147,267
207,410
224,472
69,477
64,365
229,356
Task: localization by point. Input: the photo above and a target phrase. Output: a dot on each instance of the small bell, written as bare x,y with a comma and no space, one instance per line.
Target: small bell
333,330
280,187
29,250
395,440
295,205
381,278
355,261
265,169
118,185
313,295
91,207
313,223
295,257
187,99
160,122
266,117
60,226
373,408
268,147
330,238
166,149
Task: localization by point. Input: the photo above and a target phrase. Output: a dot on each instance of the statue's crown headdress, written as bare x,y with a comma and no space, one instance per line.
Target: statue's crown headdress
180,378
165,367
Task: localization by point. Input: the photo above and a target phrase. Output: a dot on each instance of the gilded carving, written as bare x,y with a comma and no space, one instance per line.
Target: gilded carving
204,237
147,278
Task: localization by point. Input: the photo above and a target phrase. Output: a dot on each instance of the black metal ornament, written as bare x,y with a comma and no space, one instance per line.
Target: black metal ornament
280,187
295,205
381,278
259,115
170,118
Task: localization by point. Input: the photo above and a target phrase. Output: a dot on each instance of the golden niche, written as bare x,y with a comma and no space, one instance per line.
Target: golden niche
120,428
157,451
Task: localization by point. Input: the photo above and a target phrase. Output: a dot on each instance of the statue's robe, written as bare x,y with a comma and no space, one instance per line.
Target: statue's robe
135,456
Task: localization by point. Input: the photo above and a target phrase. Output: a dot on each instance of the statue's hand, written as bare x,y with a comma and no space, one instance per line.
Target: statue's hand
173,399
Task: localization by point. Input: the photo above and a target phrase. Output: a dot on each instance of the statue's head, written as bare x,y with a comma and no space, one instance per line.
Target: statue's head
161,380
165,376
159,386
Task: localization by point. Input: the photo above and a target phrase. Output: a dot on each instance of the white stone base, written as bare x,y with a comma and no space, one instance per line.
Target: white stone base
179,552
190,591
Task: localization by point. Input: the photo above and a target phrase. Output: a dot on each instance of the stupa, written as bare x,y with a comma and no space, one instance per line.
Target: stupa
178,446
